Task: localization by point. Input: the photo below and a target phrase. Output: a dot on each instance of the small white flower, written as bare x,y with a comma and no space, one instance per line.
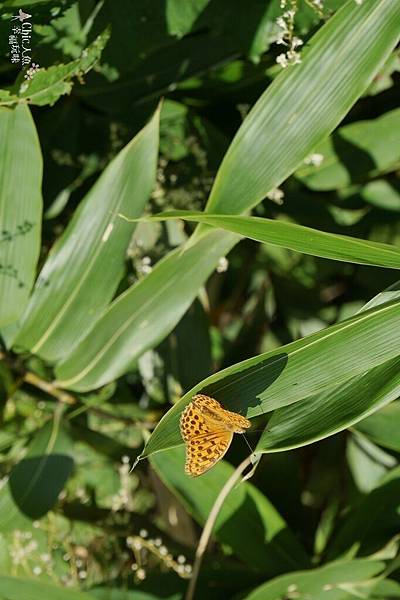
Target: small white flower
282,60
37,570
222,265
281,23
276,195
294,57
45,557
181,559
141,574
314,159
296,42
143,533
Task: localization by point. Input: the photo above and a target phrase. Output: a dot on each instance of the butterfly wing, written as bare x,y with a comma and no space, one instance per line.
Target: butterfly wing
206,440
203,451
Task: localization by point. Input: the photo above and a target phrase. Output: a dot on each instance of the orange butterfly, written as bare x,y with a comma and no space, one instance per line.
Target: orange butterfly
207,430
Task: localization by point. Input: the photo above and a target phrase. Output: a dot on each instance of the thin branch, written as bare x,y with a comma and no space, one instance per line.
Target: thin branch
49,388
209,526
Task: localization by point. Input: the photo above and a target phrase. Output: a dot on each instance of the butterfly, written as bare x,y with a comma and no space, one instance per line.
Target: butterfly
207,430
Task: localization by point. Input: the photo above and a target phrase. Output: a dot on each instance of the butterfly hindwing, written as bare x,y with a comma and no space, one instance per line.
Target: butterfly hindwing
204,451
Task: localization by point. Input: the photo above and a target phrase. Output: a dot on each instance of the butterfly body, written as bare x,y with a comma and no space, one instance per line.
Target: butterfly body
207,430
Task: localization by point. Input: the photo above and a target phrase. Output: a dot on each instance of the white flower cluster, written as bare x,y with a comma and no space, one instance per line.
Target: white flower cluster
122,499
286,36
141,545
33,69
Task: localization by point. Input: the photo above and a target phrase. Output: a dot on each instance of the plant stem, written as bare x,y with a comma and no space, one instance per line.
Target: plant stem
49,388
209,525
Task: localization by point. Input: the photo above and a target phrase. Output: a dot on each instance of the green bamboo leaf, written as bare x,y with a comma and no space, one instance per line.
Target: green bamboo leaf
85,266
328,413
339,581
301,107
338,408
296,371
248,523
305,103
383,427
109,350
372,522
357,151
34,483
20,210
18,588
296,237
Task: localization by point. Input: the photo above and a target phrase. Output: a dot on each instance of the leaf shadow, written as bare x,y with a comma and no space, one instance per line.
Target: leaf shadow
244,388
268,552
354,159
35,483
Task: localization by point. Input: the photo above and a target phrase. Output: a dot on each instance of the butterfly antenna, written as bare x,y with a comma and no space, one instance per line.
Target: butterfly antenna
248,443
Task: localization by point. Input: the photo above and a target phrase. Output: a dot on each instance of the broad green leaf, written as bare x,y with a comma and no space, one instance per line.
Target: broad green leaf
382,194
336,581
34,484
300,108
367,462
110,348
17,588
328,413
294,372
247,522
383,427
298,238
305,103
338,408
355,152
86,264
47,85
372,522
20,209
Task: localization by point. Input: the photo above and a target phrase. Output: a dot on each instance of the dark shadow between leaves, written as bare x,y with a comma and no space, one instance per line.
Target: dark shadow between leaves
35,483
371,524
245,387
356,161
271,555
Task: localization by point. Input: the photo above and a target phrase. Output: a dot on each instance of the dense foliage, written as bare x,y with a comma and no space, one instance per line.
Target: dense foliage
197,197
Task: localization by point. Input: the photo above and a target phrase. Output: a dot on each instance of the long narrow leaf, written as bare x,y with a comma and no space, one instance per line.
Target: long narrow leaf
296,371
298,238
299,109
305,103
338,580
141,314
85,266
20,209
316,418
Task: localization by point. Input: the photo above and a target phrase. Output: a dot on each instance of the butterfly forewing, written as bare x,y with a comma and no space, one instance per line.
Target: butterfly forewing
208,430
